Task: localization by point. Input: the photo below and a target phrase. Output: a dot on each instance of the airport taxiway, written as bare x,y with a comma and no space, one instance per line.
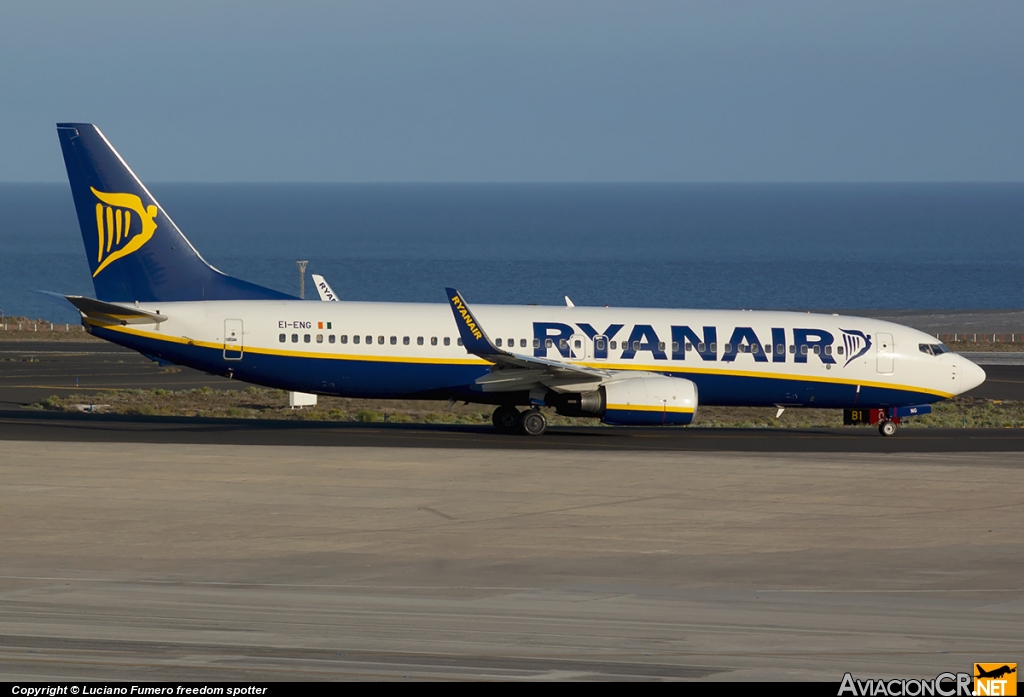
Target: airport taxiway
235,562
52,427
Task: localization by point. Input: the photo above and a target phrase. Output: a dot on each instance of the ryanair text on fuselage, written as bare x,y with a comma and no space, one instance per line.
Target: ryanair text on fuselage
644,339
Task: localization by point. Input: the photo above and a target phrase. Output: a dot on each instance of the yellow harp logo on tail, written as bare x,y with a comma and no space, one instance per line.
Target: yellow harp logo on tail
115,216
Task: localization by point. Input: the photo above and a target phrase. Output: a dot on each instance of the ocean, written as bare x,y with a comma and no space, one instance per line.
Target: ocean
749,246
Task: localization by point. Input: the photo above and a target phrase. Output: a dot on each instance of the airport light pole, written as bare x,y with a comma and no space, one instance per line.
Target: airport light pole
302,278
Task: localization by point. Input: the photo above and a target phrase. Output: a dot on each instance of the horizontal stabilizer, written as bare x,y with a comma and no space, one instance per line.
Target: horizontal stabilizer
114,314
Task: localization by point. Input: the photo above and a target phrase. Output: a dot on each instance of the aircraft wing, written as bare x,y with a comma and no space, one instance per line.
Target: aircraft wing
513,371
322,287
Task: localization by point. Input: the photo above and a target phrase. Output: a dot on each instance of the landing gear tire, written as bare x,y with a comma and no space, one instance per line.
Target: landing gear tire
888,428
534,423
507,419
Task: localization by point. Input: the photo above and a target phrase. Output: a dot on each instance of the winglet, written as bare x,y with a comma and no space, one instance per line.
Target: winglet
473,336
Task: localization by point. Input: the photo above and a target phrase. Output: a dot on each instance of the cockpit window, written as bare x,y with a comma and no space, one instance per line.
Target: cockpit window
933,349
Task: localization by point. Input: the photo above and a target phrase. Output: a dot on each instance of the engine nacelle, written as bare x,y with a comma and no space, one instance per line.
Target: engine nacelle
649,400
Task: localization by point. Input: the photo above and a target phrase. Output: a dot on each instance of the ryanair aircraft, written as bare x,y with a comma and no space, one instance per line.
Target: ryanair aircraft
626,366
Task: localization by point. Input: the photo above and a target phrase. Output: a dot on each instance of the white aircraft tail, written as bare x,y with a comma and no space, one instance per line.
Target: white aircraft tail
324,289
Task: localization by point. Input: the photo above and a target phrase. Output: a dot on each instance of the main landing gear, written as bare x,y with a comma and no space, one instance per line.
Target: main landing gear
508,419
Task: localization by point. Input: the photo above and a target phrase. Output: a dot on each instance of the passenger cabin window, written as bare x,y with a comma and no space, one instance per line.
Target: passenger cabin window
828,350
803,349
394,341
447,341
497,342
675,346
295,338
839,350
330,339
319,338
380,340
282,338
511,343
433,341
562,344
599,345
522,343
728,348
355,339
459,341
817,350
713,347
579,344
305,338
755,348
419,341
548,343
369,339
614,344
780,348
700,347
636,345
536,343
661,345
405,341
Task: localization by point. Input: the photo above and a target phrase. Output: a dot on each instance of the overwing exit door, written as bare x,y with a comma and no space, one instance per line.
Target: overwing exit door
578,348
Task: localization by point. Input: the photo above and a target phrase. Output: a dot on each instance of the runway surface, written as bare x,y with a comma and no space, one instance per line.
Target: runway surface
31,371
234,562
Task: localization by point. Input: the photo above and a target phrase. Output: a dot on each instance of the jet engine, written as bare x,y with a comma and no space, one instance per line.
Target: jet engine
639,400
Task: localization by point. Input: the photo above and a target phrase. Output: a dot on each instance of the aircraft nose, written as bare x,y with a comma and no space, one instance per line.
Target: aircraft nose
971,375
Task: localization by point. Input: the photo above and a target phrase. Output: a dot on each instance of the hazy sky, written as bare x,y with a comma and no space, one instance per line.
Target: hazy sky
482,91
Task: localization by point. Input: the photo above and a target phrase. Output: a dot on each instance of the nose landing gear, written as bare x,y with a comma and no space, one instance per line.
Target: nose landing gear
888,428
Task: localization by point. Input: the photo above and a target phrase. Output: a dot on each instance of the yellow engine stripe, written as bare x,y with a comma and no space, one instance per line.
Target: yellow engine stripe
644,407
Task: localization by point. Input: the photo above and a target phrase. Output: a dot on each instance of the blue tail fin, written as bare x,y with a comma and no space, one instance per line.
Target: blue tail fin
135,250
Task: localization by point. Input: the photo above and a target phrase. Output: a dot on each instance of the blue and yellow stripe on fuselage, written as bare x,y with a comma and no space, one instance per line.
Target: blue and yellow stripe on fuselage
389,377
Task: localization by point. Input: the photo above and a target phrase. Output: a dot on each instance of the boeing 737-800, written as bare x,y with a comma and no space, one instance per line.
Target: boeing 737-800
625,366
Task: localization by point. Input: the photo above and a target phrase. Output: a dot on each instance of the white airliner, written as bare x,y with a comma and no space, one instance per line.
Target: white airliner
626,366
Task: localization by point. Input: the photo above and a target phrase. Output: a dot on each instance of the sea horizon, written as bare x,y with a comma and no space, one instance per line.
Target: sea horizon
895,245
